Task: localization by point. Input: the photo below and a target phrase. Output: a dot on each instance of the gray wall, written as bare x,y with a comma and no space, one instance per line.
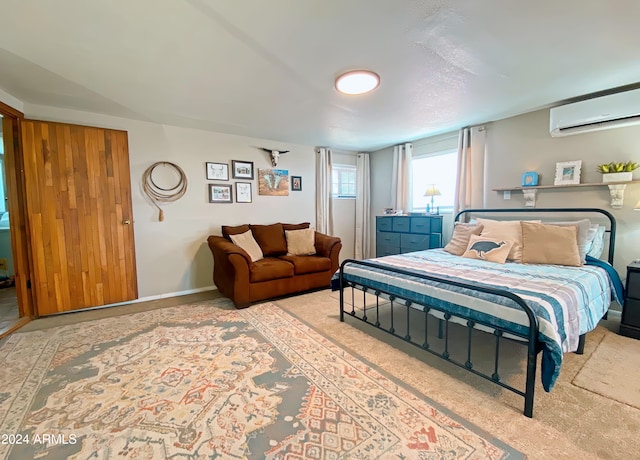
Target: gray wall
523,143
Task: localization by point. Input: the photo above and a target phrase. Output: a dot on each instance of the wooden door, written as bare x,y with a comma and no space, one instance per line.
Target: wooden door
80,217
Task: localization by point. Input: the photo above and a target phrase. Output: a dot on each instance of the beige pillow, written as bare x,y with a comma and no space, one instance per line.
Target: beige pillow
507,230
247,242
460,238
301,242
483,248
550,244
584,235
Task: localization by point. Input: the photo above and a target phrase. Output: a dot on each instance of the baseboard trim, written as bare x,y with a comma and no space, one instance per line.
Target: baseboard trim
162,296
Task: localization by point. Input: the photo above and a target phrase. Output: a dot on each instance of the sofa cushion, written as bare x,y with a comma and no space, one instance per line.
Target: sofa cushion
296,226
300,242
228,230
270,268
270,238
308,264
248,243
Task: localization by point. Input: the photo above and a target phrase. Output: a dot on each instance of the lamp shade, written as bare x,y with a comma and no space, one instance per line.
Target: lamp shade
432,190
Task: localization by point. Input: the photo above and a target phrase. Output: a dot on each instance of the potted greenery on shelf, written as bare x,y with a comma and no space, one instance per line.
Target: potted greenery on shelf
617,172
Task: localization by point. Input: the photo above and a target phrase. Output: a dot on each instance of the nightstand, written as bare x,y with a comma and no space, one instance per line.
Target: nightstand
630,324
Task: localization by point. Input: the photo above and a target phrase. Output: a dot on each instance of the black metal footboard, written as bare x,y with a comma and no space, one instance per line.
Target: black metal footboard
408,303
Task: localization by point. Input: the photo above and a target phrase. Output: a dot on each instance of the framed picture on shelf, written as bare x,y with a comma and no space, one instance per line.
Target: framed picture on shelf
568,172
220,193
242,169
296,183
217,171
243,192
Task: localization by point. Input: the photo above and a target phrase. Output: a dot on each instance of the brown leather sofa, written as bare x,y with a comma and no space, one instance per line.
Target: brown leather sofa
277,274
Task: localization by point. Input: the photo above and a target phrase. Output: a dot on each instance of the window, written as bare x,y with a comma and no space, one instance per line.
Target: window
343,181
438,169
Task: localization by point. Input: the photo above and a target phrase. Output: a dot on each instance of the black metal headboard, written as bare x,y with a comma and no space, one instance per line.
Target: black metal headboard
612,220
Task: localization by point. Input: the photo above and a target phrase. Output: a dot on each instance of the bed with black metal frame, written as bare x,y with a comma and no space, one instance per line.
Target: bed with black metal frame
394,301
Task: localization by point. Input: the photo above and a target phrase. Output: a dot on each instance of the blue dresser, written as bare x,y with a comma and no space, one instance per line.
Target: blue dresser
399,234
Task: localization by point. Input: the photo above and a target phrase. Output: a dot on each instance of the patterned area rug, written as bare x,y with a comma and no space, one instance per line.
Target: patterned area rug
204,381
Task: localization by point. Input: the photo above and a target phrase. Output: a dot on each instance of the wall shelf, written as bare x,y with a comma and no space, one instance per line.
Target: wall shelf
539,187
616,190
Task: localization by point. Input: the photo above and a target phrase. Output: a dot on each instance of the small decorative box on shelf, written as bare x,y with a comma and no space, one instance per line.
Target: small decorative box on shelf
630,324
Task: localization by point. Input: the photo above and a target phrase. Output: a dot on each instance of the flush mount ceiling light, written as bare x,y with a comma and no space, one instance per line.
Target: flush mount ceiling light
357,82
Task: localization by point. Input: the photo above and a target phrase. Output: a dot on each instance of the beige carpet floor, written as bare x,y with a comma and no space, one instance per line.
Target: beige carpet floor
570,422
609,371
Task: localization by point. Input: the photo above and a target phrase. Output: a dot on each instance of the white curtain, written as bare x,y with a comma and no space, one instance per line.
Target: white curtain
324,198
401,177
363,207
471,163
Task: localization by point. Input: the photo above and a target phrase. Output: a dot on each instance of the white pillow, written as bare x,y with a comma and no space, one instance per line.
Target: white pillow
597,246
247,242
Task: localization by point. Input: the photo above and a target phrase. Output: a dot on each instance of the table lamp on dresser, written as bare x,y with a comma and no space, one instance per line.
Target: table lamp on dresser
432,191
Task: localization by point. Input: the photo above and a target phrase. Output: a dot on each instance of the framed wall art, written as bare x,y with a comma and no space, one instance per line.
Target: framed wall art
568,172
242,169
243,192
273,182
296,183
220,193
217,171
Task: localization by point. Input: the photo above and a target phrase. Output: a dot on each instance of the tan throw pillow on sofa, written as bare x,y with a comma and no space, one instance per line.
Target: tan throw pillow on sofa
228,230
301,242
247,242
483,248
460,238
550,244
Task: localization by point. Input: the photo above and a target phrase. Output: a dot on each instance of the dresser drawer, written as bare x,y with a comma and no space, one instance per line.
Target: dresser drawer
420,225
384,224
414,242
436,224
388,239
435,240
633,284
384,250
631,312
402,224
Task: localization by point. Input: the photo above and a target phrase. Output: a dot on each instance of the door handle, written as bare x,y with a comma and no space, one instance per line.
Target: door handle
126,222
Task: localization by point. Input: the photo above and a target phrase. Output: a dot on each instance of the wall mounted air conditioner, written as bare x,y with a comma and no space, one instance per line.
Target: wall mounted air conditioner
605,112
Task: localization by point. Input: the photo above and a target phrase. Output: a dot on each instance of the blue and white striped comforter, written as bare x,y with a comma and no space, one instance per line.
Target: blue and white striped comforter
568,301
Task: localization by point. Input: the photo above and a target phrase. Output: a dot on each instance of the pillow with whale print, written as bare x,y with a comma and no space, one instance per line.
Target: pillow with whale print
485,248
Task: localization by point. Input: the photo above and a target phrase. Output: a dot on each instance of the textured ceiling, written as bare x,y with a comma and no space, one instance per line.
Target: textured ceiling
266,68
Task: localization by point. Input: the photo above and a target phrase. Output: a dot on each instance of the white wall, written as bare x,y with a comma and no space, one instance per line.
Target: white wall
523,143
11,101
172,256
